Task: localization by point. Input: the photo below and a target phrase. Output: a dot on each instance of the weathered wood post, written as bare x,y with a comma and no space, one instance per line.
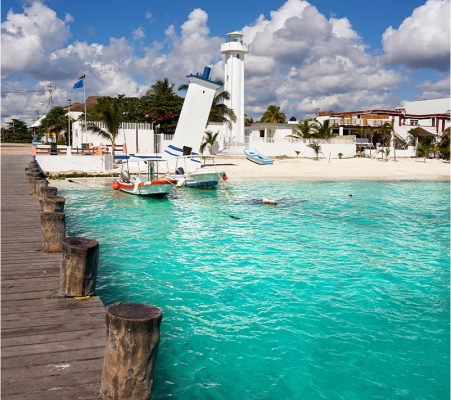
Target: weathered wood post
33,177
40,184
53,203
53,227
133,336
47,191
78,274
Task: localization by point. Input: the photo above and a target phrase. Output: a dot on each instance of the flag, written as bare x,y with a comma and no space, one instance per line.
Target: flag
79,84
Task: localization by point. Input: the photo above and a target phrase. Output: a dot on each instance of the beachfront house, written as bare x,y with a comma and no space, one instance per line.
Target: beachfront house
432,117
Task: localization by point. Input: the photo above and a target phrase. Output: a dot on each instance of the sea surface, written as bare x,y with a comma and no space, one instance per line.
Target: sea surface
323,296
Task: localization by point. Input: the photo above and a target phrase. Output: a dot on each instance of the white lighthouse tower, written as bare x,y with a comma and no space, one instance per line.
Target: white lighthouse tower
234,51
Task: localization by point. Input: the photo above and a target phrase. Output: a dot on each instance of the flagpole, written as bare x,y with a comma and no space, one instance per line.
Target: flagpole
84,97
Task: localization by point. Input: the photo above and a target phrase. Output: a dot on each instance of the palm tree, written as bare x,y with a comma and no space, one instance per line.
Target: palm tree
316,148
219,112
273,115
55,121
304,130
161,88
209,140
111,116
426,148
323,130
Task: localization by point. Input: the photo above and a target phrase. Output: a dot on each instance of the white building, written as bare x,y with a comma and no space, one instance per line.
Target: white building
234,51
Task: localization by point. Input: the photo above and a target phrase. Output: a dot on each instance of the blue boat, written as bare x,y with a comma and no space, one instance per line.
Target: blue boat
256,157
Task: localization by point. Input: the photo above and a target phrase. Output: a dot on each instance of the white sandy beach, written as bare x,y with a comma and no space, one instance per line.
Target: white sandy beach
238,168
345,169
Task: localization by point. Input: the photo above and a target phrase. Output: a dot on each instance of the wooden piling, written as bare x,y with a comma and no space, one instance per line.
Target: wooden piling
40,184
53,227
133,336
32,178
48,191
78,273
53,203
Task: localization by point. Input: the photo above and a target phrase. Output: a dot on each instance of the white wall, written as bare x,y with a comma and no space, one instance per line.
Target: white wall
437,106
65,163
126,135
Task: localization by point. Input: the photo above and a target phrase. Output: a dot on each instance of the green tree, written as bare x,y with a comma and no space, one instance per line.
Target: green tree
164,105
273,115
54,123
16,131
304,130
316,148
161,88
112,116
209,140
443,146
385,151
323,130
220,112
426,148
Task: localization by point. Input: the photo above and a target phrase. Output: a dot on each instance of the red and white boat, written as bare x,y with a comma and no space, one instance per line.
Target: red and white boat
144,184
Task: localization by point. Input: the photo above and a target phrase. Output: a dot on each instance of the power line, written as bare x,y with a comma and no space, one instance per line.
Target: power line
22,91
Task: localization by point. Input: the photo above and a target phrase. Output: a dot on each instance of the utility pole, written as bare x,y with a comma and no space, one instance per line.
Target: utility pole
50,88
68,120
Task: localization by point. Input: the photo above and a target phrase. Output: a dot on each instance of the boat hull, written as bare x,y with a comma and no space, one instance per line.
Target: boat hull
156,189
200,180
256,157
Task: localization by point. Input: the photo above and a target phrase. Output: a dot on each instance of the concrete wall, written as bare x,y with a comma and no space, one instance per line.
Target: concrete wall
128,134
288,149
437,106
65,163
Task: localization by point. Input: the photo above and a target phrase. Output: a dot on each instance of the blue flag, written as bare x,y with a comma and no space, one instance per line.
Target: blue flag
79,84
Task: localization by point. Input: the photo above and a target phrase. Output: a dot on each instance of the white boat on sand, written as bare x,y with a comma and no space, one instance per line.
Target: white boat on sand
256,157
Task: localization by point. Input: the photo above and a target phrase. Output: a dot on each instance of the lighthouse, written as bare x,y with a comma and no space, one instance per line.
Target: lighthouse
234,51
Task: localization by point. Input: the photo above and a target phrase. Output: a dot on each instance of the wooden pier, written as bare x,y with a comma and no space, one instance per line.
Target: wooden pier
52,347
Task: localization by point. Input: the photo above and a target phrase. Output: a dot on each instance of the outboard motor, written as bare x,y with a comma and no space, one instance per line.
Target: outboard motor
125,176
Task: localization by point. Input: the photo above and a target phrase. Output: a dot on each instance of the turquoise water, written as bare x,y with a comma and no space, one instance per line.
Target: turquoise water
324,296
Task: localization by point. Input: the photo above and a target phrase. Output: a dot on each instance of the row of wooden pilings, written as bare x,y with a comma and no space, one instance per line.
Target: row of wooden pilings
133,330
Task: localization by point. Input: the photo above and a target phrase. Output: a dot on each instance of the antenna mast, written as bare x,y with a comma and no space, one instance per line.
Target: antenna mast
50,88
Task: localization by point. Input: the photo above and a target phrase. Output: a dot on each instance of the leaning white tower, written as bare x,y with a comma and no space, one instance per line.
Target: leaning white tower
234,51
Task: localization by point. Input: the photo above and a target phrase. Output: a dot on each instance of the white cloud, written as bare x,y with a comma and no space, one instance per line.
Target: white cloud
148,15
301,60
298,59
435,90
28,36
422,40
138,33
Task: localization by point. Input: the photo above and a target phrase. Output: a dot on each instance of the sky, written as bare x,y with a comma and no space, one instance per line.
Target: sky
303,55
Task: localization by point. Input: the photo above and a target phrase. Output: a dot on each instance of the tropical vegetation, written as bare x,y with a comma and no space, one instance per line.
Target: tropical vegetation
273,115
304,130
16,131
111,115
54,123
209,140
316,148
426,148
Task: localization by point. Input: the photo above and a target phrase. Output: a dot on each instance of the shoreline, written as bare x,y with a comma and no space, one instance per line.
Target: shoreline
302,169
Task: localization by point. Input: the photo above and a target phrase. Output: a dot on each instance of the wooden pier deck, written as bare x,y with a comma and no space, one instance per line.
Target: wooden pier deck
52,347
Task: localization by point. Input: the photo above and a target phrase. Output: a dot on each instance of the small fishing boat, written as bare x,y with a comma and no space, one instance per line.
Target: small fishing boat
203,177
144,184
256,157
